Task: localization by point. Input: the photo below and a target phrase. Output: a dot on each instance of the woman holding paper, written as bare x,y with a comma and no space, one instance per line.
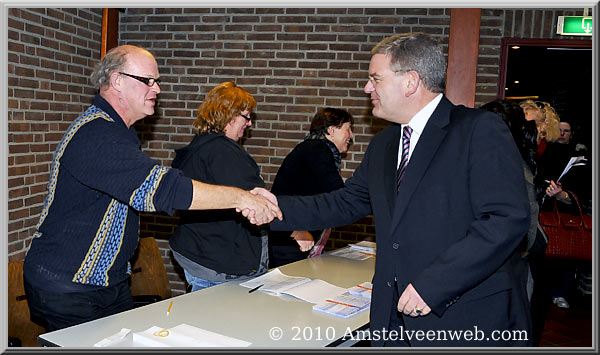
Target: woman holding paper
568,180
565,170
219,245
313,167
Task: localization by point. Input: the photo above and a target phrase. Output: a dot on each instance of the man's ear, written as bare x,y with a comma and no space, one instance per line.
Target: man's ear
413,80
115,80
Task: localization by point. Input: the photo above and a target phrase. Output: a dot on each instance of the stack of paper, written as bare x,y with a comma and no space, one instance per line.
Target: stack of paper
344,305
276,282
363,290
184,335
350,253
364,246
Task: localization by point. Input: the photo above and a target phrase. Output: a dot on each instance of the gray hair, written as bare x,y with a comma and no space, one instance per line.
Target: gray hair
113,60
419,52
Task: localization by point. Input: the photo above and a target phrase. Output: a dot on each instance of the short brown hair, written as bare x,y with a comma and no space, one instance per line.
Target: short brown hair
326,117
221,104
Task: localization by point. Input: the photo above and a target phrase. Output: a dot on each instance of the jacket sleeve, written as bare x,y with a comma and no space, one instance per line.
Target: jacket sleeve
340,207
117,167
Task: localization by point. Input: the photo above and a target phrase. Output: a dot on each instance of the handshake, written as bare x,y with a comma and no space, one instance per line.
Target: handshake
260,206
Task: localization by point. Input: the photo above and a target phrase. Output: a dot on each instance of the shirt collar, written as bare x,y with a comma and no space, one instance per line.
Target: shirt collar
418,122
102,104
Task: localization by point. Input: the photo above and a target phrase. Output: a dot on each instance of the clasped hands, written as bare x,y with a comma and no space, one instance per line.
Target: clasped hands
259,215
260,206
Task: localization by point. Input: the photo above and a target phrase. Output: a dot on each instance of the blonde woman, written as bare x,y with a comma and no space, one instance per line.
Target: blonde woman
546,120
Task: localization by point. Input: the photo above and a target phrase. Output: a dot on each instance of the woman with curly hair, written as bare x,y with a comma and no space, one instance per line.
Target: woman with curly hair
546,120
219,245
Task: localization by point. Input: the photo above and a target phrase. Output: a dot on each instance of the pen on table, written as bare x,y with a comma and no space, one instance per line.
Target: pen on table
170,305
256,288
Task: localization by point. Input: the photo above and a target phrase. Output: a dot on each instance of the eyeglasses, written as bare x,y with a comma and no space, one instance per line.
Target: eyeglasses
375,80
148,81
248,118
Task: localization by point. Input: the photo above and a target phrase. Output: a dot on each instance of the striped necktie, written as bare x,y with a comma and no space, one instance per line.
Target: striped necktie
404,161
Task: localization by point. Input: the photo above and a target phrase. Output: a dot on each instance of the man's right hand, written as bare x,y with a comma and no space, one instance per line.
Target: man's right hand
259,209
256,205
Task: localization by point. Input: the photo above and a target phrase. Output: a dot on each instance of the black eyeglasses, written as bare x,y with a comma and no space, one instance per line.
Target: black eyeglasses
248,118
148,81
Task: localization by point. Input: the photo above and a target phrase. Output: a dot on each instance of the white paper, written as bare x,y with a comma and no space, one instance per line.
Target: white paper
366,246
574,161
350,253
278,283
275,281
344,305
315,291
184,335
113,338
364,289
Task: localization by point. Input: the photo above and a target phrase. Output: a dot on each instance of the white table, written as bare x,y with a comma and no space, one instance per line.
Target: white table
265,320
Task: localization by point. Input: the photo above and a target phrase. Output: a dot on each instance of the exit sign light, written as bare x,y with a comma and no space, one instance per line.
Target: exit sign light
574,25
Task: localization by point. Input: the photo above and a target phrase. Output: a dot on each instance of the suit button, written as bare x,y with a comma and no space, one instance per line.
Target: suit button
389,284
395,245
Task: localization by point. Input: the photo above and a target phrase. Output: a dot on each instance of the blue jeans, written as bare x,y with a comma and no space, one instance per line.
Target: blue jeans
198,283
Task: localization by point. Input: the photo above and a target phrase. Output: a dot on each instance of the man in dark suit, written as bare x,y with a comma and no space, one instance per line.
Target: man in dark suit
450,208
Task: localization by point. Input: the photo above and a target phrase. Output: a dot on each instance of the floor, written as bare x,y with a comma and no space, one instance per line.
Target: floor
559,327
570,327
565,328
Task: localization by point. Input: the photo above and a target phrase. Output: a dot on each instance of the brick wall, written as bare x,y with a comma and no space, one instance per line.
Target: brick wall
293,61
50,56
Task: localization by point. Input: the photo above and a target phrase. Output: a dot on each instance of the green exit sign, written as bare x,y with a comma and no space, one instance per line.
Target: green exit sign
574,25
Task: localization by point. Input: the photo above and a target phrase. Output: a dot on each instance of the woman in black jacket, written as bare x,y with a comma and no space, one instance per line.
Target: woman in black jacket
313,167
220,245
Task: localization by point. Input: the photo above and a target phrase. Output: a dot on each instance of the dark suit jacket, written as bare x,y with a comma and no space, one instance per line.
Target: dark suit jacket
452,230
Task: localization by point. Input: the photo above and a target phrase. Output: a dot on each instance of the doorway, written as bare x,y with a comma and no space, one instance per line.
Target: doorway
556,71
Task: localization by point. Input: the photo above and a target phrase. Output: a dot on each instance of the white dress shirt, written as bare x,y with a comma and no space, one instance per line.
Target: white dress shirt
417,123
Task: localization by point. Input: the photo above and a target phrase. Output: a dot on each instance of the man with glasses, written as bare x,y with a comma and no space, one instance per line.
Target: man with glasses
77,267
445,186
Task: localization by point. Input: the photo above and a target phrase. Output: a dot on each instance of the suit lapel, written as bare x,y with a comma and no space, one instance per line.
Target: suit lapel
429,142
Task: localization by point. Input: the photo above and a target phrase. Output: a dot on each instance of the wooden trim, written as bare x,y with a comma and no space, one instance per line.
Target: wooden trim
463,55
506,43
110,30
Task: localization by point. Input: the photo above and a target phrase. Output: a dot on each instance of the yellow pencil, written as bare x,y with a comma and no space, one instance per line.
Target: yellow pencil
170,305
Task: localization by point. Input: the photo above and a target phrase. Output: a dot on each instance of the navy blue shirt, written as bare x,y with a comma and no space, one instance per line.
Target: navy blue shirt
99,181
